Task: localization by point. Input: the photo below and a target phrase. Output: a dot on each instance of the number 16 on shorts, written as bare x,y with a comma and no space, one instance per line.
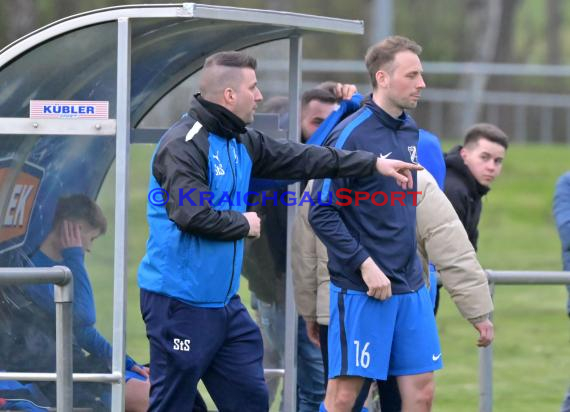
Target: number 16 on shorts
362,355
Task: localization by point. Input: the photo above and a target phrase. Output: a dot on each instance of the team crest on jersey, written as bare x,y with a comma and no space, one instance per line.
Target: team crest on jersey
413,154
218,168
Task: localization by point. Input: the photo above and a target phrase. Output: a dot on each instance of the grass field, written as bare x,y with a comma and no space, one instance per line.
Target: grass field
532,351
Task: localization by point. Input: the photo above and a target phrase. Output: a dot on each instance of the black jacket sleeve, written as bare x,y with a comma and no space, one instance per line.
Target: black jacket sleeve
458,200
288,160
180,168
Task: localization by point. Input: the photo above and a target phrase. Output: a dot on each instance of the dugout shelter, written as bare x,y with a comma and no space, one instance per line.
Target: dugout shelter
76,94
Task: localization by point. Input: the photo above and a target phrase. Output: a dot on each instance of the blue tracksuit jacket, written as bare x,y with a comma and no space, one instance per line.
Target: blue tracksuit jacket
195,246
386,233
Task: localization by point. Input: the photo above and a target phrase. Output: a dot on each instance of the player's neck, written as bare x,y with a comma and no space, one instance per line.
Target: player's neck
385,104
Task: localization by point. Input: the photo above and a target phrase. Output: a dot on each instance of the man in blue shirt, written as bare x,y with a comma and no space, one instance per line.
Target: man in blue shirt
382,321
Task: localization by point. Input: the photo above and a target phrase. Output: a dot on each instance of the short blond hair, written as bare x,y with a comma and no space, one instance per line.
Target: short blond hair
383,53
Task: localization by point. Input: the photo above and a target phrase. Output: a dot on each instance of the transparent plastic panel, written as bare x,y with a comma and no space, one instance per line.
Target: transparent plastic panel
167,52
80,65
272,79
49,187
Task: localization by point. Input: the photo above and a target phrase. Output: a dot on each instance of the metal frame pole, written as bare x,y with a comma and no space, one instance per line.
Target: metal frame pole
63,298
383,16
290,383
486,370
121,215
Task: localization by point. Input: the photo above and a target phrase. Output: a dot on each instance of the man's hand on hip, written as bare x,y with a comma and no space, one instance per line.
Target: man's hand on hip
379,286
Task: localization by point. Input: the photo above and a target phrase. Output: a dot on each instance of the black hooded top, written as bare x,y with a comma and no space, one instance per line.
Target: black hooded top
464,192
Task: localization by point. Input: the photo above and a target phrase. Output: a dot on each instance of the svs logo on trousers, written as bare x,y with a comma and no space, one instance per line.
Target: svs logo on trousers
181,345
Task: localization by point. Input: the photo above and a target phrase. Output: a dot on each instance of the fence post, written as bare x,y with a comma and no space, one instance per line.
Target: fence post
486,370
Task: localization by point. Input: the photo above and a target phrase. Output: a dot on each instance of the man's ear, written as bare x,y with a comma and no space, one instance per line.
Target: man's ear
382,78
463,153
229,95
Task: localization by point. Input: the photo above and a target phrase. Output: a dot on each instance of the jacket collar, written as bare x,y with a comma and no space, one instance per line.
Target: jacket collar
215,118
454,161
385,118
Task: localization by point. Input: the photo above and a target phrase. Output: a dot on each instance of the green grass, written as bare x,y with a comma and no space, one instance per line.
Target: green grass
532,351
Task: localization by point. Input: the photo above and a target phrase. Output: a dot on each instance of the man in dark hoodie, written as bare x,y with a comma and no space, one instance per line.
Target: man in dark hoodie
471,169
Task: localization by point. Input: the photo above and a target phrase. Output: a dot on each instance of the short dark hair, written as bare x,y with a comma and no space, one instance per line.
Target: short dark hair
485,131
383,53
328,85
80,207
231,59
321,95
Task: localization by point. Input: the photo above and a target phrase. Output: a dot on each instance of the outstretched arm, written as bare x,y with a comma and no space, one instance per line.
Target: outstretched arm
287,160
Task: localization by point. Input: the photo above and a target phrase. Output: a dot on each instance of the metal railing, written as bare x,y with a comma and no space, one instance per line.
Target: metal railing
64,377
61,277
486,354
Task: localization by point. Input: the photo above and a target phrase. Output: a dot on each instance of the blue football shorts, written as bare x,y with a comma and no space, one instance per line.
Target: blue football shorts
376,339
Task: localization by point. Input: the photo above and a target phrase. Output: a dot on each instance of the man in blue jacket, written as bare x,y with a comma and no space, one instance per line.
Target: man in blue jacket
381,320
561,210
189,278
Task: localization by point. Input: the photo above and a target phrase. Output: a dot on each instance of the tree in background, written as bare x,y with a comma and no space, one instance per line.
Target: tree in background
553,31
480,40
18,18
